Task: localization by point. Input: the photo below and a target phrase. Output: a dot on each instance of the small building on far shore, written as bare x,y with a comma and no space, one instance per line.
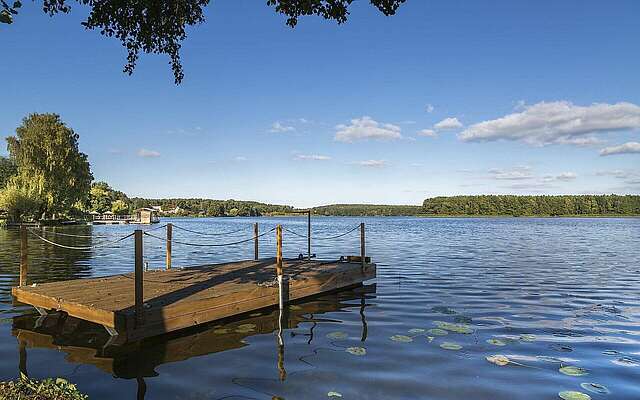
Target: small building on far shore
146,216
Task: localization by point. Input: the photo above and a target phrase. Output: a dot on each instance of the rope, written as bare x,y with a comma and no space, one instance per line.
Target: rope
325,237
107,244
337,236
211,244
94,236
209,234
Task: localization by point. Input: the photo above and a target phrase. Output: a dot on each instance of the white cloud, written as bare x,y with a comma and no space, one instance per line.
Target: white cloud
448,124
311,157
148,153
427,133
278,127
626,148
366,128
371,163
564,177
513,174
429,108
556,122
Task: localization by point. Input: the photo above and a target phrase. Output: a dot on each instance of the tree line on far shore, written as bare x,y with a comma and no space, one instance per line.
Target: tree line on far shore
513,205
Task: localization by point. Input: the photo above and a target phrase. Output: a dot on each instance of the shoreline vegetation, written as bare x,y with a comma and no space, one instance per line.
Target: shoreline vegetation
47,180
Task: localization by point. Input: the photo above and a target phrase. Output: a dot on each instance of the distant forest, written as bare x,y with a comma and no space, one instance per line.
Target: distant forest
355,210
212,208
533,205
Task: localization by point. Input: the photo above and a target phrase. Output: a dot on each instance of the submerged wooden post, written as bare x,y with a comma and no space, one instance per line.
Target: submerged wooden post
24,259
169,238
309,234
139,276
279,250
362,249
255,242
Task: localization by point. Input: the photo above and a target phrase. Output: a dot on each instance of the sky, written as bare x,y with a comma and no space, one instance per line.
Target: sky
447,97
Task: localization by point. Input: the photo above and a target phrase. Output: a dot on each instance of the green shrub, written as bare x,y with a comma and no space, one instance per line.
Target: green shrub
47,389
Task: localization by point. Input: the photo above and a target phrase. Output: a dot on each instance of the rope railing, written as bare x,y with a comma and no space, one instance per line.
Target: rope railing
97,246
209,233
210,244
322,237
98,235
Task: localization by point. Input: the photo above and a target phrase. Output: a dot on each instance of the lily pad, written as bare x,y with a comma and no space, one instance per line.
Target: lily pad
595,388
417,331
430,338
571,395
337,335
497,342
462,319
573,371
437,332
356,351
443,310
245,328
450,346
220,331
527,338
451,327
334,394
626,362
401,338
498,360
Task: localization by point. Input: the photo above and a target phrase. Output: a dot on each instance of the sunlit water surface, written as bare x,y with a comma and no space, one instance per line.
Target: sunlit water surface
544,293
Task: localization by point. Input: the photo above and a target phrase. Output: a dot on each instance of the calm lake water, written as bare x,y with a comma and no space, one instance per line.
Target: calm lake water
545,293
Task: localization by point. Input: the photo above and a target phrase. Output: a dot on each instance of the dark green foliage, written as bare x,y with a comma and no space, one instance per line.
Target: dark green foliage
534,205
212,208
47,389
356,210
50,165
102,199
8,169
160,26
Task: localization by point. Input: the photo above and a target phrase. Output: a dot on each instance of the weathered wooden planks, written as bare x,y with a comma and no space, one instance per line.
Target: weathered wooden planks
173,299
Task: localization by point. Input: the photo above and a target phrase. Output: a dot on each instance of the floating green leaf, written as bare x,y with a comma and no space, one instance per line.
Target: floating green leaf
457,328
462,319
527,338
417,331
220,331
245,328
401,338
595,388
334,394
356,351
437,332
497,342
450,346
574,371
626,362
498,359
443,310
571,395
337,335
430,338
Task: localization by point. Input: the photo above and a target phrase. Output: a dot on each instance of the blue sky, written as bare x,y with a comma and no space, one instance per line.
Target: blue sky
447,97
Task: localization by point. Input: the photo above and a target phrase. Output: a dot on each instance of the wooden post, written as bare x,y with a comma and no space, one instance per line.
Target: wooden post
169,238
24,259
279,250
309,234
255,242
362,249
139,276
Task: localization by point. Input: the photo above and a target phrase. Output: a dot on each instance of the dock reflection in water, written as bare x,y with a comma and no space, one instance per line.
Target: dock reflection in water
88,343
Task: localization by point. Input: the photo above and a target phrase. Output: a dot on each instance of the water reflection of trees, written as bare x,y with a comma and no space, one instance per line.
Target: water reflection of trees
46,262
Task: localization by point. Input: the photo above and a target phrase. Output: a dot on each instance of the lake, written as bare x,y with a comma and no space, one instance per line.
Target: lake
557,299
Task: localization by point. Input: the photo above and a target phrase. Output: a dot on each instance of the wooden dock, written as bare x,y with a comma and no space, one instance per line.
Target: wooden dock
143,303
175,299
